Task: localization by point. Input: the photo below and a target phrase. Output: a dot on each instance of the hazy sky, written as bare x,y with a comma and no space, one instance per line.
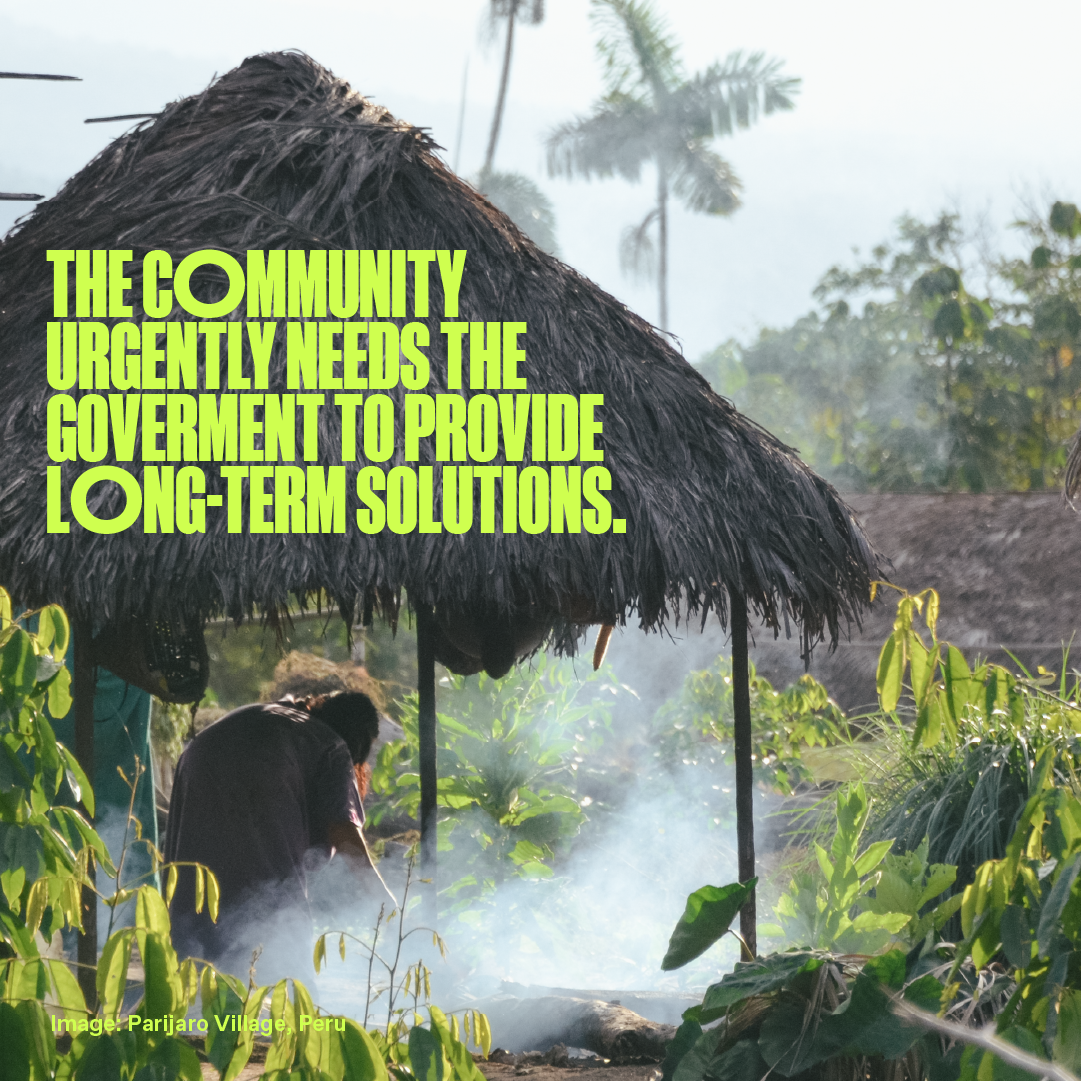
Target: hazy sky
904,108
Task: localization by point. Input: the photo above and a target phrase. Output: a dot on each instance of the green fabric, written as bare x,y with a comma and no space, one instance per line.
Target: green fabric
121,731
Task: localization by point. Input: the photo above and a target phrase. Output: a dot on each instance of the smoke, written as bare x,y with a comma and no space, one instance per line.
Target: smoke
599,925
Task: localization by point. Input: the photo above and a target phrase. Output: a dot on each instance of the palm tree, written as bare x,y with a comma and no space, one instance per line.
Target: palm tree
516,195
653,112
530,11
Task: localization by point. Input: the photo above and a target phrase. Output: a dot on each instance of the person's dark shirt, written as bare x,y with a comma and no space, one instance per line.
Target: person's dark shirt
252,795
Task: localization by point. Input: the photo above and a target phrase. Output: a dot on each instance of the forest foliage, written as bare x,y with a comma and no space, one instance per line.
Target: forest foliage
909,377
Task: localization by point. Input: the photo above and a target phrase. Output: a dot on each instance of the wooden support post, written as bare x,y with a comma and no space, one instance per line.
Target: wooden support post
426,731
741,700
85,680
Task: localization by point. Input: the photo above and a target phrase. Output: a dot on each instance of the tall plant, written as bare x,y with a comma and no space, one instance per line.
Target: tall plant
654,112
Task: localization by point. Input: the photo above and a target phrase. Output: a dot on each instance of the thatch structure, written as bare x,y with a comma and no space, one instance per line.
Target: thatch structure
1007,567
280,154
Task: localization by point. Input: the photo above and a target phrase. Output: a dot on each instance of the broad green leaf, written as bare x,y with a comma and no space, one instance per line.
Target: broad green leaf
958,682
687,1035
425,1054
1067,1047
695,1062
171,1059
59,699
18,667
283,1047
163,993
245,1040
890,671
921,667
755,978
113,971
874,855
360,1055
940,877
15,1041
61,630
66,990
1051,913
80,786
1016,936
13,931
42,1043
709,912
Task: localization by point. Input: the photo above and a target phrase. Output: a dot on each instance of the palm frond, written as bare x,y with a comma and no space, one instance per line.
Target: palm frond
635,46
524,203
617,139
705,181
734,93
637,252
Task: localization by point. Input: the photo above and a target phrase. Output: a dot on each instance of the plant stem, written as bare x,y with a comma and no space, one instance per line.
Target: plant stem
1007,1052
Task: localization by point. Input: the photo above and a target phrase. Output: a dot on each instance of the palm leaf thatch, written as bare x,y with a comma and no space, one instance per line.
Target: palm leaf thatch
279,153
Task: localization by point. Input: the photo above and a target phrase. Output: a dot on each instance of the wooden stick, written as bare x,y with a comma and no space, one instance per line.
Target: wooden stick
51,78
988,1041
85,685
741,701
20,197
123,116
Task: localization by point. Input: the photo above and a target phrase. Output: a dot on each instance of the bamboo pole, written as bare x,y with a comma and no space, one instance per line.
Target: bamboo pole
741,701
85,685
426,731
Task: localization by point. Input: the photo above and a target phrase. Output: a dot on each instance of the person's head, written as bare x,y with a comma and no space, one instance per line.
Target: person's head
352,716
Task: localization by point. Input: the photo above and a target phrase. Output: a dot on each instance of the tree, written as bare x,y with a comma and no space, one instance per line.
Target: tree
928,387
532,12
516,195
653,111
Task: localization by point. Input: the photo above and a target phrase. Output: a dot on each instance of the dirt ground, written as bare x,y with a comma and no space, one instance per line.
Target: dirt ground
496,1071
521,1066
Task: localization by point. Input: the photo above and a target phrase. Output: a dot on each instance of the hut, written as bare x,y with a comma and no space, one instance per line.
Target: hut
279,154
1005,565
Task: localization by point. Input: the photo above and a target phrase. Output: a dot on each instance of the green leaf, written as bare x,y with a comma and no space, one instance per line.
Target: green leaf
1051,913
1067,1046
18,667
756,977
101,1061
926,993
425,1054
171,1060
874,855
1065,219
14,1039
695,1063
1016,936
741,1062
59,699
686,1037
66,989
113,971
891,665
360,1055
708,914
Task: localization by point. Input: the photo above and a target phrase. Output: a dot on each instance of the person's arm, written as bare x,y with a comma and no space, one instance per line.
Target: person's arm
347,838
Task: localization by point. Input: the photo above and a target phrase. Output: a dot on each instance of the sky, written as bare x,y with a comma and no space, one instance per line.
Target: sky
903,109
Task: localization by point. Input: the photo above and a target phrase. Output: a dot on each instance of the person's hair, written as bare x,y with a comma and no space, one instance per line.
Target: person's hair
352,716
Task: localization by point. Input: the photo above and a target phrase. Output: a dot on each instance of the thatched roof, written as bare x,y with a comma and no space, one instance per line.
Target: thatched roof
280,154
1007,567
